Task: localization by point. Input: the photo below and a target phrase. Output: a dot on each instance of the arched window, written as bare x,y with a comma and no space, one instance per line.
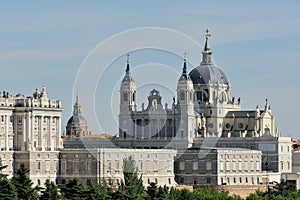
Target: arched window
182,96
201,96
133,96
125,97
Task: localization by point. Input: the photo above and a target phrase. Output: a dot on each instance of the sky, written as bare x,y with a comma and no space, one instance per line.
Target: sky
81,46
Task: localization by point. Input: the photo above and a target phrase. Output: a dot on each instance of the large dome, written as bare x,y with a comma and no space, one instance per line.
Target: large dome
208,72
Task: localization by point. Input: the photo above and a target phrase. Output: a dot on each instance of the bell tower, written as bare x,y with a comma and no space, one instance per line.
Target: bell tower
127,103
185,94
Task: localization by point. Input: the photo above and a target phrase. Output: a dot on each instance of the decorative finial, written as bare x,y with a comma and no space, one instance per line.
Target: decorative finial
128,61
207,35
184,56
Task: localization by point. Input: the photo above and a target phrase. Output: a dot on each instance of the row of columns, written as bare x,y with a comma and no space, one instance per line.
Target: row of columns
27,138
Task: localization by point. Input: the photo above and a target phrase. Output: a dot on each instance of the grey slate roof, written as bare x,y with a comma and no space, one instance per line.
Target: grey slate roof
205,72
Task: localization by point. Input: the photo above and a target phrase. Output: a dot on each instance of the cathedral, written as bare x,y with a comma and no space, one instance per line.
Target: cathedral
203,108
202,138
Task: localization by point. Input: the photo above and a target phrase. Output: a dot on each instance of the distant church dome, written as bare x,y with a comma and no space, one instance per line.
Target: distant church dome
77,125
77,119
207,71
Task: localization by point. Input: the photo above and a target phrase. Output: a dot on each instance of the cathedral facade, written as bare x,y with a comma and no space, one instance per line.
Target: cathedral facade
203,108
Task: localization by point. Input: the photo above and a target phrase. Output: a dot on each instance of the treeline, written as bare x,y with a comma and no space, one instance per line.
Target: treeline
20,187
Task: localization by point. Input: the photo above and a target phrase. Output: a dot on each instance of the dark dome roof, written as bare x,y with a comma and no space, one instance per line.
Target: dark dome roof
77,119
205,72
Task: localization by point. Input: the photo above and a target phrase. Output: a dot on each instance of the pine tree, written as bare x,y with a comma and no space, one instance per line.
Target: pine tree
23,184
50,192
74,190
132,186
152,190
96,192
7,189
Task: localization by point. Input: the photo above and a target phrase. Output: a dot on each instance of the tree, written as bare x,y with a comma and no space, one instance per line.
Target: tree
7,189
132,186
98,192
23,184
50,192
152,190
73,190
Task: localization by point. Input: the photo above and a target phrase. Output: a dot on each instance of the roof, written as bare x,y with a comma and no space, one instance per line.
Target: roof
205,73
77,119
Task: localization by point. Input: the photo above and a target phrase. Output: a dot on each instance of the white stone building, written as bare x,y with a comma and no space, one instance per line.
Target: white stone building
96,165
30,130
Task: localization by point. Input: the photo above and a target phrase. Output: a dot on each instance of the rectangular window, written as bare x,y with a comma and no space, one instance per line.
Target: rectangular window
141,166
227,166
181,180
88,166
208,180
221,166
109,166
47,166
181,165
38,166
195,166
75,166
240,166
208,165
117,165
63,166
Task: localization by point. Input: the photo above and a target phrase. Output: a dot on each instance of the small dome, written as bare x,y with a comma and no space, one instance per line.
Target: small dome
208,72
77,119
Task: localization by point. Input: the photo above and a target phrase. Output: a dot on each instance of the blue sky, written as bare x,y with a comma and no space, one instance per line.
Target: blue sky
257,45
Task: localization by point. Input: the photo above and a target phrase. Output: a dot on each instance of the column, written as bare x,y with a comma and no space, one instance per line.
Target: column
58,132
40,137
28,132
6,133
15,129
50,133
143,128
23,133
32,119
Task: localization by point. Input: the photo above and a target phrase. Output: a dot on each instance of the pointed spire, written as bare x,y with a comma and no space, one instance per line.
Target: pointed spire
77,107
77,97
128,67
184,70
206,53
